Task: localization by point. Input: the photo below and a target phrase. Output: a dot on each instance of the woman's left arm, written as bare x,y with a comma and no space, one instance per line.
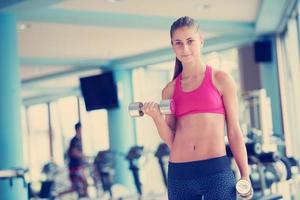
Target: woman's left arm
234,133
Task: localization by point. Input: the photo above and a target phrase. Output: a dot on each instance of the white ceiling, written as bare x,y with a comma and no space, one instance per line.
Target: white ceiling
216,9
76,41
55,40
77,36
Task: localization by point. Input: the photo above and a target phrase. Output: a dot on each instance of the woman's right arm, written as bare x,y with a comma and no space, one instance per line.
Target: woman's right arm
165,125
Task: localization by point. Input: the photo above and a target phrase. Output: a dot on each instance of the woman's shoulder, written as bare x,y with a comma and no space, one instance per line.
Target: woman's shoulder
221,79
168,90
220,76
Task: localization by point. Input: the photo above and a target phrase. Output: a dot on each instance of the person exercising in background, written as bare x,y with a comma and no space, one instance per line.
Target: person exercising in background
205,102
76,164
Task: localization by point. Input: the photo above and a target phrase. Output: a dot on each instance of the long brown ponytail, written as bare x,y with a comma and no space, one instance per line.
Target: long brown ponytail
177,69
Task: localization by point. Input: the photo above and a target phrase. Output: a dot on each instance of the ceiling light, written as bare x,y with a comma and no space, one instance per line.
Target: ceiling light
23,26
202,6
113,1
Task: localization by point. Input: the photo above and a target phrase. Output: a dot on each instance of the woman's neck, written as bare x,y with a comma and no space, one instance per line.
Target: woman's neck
194,69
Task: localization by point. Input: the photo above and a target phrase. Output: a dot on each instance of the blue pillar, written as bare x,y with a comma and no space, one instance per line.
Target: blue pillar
270,81
10,102
122,129
298,7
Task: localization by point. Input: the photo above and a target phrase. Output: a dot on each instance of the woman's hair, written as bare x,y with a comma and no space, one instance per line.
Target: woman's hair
179,23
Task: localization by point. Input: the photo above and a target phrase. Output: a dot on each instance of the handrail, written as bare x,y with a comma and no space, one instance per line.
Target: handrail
14,173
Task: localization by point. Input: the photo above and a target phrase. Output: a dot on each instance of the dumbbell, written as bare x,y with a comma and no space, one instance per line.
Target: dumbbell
244,189
166,107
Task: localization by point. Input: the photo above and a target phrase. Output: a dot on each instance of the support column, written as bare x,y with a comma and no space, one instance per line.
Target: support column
298,7
10,107
270,81
122,129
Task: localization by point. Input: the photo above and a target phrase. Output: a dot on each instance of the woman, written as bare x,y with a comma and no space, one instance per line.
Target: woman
205,101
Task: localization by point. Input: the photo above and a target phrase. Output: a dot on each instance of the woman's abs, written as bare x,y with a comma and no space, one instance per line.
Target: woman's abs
200,143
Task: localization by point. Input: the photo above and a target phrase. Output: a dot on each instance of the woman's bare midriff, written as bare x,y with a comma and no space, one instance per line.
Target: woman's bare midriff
198,137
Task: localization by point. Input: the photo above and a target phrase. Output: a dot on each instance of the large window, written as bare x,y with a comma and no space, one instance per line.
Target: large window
39,149
289,73
95,130
67,110
57,119
24,128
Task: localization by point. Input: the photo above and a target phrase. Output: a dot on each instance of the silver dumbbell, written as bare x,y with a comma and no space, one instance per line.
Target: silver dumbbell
244,189
166,107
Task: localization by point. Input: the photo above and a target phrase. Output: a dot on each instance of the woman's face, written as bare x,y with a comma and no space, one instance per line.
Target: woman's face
186,43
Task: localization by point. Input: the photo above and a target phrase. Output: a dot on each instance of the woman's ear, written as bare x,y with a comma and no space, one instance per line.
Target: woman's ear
172,46
201,41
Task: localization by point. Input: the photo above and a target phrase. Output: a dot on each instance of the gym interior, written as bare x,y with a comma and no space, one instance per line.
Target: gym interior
65,61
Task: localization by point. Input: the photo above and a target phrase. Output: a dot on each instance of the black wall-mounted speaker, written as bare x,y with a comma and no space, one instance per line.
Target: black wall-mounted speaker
263,51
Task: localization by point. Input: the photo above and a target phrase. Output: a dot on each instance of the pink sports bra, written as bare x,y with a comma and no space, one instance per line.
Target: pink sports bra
204,99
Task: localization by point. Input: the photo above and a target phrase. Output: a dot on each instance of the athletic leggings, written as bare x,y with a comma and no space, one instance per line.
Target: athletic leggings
210,179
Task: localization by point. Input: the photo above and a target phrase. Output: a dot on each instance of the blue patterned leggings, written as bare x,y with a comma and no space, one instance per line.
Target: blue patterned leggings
210,179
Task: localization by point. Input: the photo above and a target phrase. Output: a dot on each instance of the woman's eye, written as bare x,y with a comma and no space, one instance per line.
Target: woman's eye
190,41
178,43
